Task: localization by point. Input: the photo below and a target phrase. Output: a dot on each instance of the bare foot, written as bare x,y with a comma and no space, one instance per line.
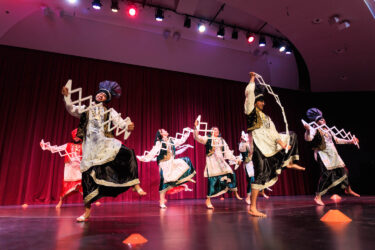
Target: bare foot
351,192
254,212
247,200
238,196
296,167
139,190
59,204
318,200
84,217
209,204
265,196
162,204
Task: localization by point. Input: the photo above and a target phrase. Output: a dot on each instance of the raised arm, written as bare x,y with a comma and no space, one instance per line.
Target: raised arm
249,93
72,109
309,133
199,138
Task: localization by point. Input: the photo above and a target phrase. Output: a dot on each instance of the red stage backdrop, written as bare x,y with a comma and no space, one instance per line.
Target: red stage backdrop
32,109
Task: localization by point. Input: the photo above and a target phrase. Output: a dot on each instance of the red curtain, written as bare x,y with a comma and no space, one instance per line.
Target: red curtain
32,109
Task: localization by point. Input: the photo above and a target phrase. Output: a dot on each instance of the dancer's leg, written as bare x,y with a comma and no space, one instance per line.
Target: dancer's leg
253,207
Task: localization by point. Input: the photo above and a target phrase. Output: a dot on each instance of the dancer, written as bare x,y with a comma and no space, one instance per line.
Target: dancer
221,177
108,167
333,172
174,173
244,149
72,159
269,147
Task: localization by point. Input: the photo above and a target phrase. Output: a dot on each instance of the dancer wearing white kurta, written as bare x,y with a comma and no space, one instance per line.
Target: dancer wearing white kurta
271,150
220,175
108,167
174,173
333,172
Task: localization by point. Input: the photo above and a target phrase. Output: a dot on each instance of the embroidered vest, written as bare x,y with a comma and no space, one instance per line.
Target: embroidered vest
165,155
84,120
211,150
254,121
245,156
318,142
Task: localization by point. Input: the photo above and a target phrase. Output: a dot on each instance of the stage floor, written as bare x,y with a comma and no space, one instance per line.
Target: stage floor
292,223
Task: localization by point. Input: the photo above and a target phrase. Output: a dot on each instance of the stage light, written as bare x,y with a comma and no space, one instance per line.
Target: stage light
72,1
132,11
282,47
114,6
96,4
221,32
262,41
201,27
187,23
159,15
250,37
235,34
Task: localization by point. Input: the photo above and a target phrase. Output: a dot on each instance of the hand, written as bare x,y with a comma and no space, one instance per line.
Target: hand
131,126
252,74
283,145
196,123
355,140
65,91
307,127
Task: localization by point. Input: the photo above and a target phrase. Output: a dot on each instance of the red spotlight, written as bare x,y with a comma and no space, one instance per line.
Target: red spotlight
132,11
250,38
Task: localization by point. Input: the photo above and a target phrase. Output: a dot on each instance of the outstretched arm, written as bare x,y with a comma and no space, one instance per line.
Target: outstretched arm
344,141
118,121
228,154
182,140
250,96
53,149
149,156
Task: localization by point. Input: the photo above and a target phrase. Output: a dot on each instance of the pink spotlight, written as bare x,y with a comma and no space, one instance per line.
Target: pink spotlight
132,11
250,39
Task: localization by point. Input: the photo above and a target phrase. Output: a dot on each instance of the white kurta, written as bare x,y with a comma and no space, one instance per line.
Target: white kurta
329,156
97,149
72,168
172,168
266,136
215,163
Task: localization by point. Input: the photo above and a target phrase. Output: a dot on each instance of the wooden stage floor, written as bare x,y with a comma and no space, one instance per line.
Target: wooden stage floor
293,222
